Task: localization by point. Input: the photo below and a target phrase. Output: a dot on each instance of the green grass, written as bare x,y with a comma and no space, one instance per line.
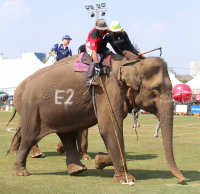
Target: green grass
145,160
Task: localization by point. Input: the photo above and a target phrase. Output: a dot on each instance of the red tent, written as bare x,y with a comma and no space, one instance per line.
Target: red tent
181,93
197,98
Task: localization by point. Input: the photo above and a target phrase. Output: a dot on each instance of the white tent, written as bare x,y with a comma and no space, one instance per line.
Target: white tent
195,84
174,80
14,71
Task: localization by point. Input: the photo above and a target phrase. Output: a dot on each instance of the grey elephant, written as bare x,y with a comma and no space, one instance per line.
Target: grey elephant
82,137
53,102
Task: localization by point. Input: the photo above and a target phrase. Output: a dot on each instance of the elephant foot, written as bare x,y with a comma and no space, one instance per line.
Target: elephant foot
74,169
37,155
84,156
35,152
120,177
20,172
12,151
60,148
102,160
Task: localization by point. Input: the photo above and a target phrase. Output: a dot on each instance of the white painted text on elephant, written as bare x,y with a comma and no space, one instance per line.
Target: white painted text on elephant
58,97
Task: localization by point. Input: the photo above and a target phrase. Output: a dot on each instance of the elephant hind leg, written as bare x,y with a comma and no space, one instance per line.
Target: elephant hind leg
19,167
82,141
30,132
73,162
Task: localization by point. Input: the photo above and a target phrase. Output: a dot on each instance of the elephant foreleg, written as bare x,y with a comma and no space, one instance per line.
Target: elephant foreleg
73,162
112,135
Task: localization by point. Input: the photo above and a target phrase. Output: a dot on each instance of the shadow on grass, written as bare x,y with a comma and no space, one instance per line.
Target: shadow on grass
138,174
49,154
129,155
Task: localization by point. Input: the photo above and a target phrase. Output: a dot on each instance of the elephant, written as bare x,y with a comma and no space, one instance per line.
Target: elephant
53,102
82,137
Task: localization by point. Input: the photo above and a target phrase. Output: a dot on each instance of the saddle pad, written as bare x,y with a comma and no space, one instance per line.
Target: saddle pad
79,66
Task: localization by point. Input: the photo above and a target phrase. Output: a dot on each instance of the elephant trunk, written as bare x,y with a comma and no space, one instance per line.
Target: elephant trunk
165,109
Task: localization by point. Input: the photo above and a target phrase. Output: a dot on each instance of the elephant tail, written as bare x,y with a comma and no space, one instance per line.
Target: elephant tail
13,115
8,151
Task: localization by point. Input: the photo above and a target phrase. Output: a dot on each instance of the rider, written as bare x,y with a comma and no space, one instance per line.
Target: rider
61,50
93,42
120,42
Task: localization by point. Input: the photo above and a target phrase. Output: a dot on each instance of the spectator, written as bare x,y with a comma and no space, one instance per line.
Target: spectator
61,50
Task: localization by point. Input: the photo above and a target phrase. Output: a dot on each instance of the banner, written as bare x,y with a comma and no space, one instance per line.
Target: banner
194,109
181,108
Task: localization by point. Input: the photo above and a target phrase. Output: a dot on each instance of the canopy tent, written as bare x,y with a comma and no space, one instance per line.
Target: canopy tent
14,71
2,92
195,84
174,80
3,95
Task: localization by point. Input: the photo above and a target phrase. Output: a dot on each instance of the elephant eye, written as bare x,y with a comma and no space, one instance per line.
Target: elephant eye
156,88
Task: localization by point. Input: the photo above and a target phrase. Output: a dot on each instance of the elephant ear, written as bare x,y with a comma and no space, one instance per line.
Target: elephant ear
129,74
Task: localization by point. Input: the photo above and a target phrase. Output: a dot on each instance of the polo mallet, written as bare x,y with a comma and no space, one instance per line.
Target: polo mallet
153,50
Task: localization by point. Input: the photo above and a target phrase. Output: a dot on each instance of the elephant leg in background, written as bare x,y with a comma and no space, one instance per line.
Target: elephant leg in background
73,162
35,151
82,141
15,143
157,130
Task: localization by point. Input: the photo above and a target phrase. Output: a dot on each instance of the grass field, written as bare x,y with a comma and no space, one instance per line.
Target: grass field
145,160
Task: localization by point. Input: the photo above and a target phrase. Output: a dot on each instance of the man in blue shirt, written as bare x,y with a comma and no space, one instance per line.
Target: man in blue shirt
61,50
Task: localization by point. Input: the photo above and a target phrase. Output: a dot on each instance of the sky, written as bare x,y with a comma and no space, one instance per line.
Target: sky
35,26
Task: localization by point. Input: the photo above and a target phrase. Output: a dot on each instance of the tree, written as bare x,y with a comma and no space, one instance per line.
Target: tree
184,81
45,60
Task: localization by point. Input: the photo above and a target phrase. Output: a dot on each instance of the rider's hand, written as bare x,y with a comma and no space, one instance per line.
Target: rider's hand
97,68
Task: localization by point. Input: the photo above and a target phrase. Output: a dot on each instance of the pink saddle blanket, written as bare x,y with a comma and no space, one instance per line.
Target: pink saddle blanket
79,66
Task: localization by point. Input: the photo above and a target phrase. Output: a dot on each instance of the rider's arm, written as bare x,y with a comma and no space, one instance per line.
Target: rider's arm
54,50
103,45
95,56
130,44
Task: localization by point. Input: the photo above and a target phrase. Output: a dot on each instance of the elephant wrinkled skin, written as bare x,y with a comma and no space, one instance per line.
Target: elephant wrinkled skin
53,102
82,137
